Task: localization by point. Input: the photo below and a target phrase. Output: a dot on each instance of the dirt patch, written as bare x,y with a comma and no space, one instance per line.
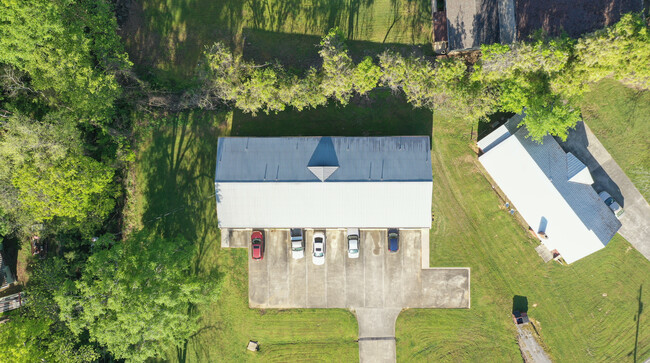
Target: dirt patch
575,17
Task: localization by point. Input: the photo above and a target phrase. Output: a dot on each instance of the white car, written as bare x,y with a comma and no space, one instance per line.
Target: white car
611,203
319,248
297,243
353,242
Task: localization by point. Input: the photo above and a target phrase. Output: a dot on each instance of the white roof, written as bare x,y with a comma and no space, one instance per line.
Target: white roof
324,182
324,205
535,177
493,138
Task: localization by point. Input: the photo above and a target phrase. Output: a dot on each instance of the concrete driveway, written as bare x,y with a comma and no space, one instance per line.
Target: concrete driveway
610,177
376,286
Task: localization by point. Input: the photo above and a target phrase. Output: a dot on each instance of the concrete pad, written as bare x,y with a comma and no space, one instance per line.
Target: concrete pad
277,242
411,281
335,260
239,238
374,243
445,288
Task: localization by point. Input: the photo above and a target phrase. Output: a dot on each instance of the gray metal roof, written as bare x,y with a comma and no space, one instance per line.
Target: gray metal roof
329,159
534,176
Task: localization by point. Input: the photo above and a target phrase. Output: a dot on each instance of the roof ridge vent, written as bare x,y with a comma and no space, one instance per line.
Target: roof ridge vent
324,161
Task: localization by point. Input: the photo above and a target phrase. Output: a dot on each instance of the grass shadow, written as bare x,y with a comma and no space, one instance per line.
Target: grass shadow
298,52
179,192
378,114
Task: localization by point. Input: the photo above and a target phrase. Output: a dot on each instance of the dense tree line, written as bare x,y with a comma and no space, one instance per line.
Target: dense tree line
64,144
545,77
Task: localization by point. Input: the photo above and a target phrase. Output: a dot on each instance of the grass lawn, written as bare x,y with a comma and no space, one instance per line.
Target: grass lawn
620,118
587,311
174,193
165,39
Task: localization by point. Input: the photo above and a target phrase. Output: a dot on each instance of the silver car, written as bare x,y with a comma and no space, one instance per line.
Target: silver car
319,248
353,242
297,243
611,203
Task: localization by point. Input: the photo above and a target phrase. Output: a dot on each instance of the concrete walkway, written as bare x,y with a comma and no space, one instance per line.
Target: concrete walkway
610,177
377,334
531,350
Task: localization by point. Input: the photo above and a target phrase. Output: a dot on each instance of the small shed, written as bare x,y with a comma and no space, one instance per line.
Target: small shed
520,317
252,346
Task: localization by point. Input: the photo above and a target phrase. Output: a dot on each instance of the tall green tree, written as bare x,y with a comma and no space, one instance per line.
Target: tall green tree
521,75
338,68
44,174
69,49
135,297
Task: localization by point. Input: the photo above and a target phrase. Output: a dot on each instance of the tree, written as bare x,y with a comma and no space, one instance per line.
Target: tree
70,50
134,298
259,91
413,75
521,75
620,51
21,340
304,92
44,174
338,68
366,75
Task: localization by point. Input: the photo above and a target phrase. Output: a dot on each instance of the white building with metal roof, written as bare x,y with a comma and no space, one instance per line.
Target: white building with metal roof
324,182
551,190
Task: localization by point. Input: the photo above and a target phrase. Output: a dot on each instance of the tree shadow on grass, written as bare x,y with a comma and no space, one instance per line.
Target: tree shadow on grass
379,114
178,167
298,52
179,170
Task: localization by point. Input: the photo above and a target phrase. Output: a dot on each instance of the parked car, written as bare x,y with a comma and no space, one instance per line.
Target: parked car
353,242
393,240
611,203
257,245
297,243
319,248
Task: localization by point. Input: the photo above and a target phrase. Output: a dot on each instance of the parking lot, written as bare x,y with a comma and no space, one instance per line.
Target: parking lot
377,279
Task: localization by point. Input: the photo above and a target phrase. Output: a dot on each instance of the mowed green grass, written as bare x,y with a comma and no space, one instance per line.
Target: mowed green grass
620,118
166,38
174,194
588,311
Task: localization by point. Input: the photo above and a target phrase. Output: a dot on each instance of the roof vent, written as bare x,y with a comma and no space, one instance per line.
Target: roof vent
324,162
577,171
322,172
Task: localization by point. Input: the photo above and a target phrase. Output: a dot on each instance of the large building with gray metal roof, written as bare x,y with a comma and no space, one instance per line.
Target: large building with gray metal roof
324,182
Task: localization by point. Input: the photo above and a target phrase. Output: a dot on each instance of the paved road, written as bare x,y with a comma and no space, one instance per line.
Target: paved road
610,177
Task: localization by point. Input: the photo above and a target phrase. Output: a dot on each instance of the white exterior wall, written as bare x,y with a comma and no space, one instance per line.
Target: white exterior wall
324,204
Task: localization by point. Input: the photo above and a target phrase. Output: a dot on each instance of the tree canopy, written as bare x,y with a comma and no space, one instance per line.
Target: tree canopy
135,297
69,50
